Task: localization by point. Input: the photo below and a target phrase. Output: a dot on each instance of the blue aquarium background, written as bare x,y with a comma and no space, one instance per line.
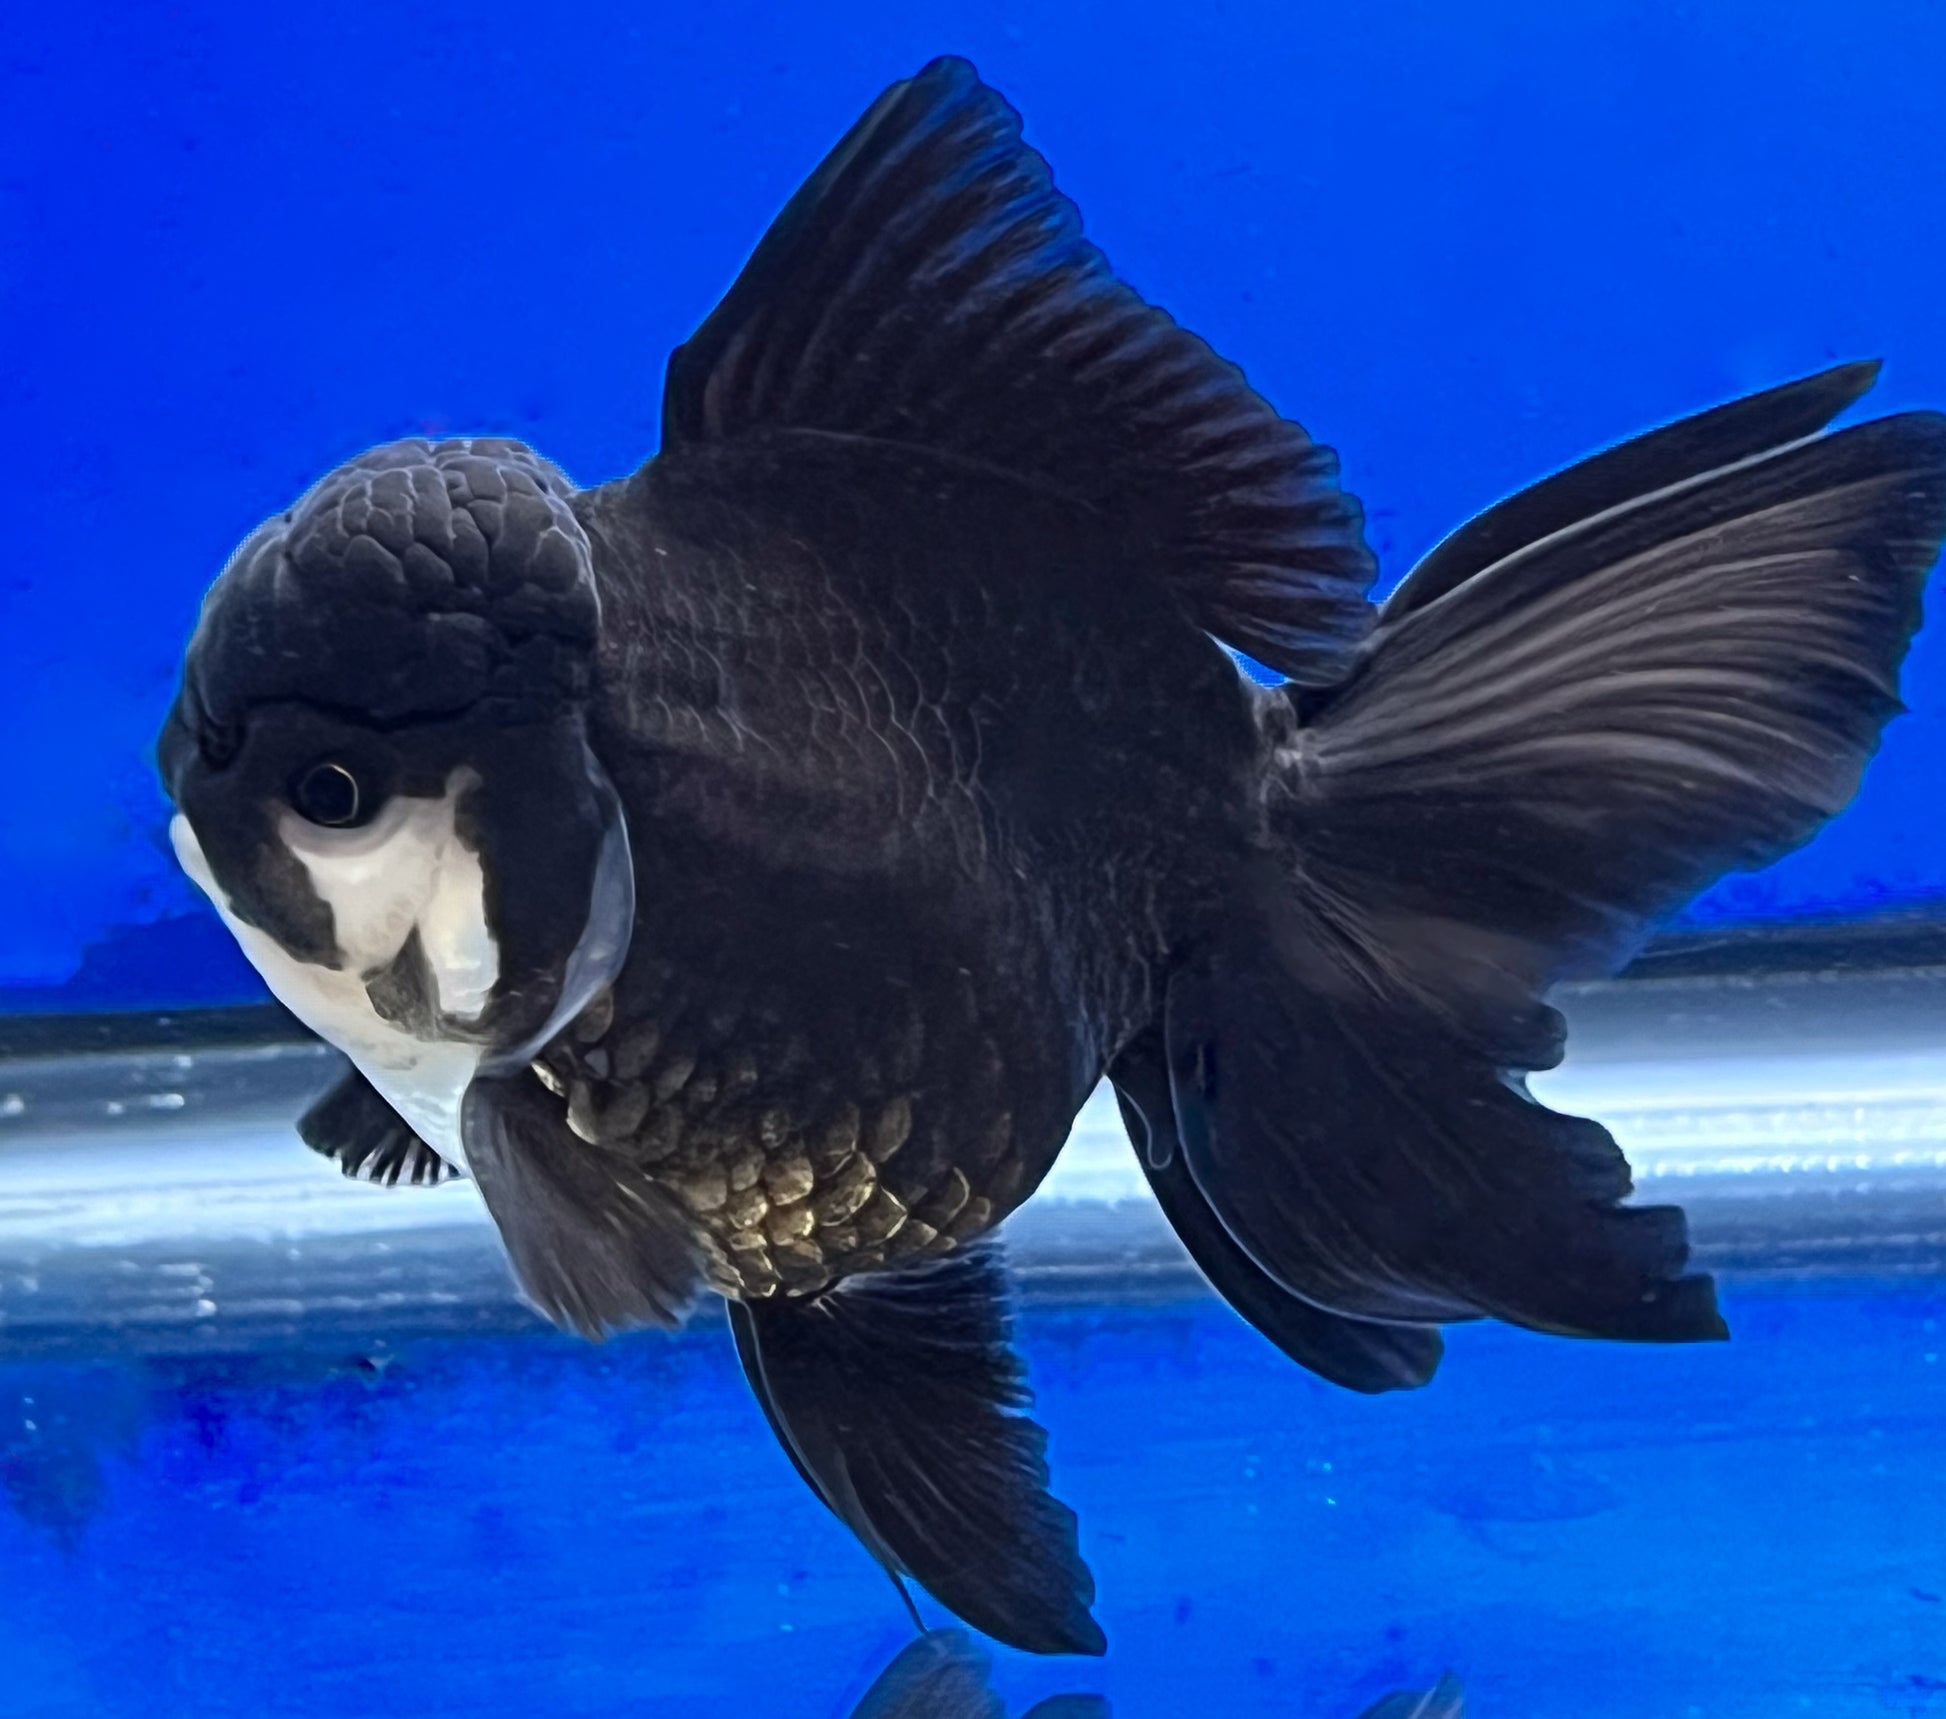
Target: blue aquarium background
275,1443
1464,244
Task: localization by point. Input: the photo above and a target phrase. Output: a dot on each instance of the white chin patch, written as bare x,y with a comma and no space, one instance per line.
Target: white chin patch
406,870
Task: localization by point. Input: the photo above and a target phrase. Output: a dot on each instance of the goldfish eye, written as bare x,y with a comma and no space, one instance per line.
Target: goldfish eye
331,795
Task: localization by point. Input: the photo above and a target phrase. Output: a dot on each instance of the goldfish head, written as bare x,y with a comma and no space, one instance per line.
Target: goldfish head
381,771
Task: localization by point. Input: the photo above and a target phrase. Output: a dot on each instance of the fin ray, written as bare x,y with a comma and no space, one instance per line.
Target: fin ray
595,1245
1369,1356
1576,741
1527,769
898,1397
929,285
353,1125
1371,1157
1690,447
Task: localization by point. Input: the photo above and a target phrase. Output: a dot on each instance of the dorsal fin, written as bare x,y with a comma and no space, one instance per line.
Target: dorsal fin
929,285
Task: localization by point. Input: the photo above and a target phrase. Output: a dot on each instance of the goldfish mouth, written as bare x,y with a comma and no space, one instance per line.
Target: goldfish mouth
386,1024
407,895
418,994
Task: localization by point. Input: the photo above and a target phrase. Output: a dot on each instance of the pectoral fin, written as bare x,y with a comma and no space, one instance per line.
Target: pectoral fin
354,1126
595,1244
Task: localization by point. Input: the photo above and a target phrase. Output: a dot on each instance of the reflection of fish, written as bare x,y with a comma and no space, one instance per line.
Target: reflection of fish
943,1675
1445,1700
745,869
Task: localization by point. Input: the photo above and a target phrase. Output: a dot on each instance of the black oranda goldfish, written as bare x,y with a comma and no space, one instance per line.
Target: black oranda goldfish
744,869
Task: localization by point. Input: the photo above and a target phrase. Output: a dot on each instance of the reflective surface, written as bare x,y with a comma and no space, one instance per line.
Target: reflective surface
522,1525
276,1443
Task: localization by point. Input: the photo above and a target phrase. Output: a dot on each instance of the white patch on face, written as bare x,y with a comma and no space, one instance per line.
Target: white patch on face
407,868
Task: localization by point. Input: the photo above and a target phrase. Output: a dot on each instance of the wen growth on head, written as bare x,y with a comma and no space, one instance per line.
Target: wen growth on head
744,870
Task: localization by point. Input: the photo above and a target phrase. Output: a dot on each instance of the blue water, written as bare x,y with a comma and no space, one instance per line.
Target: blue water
526,1526
1464,243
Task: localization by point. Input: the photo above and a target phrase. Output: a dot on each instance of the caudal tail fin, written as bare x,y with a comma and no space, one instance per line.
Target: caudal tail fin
1668,663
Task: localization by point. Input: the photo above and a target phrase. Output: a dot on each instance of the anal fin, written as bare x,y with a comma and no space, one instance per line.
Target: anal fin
897,1396
1375,1154
1360,1354
354,1126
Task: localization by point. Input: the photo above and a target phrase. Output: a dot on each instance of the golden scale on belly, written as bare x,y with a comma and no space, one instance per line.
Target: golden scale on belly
795,1177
